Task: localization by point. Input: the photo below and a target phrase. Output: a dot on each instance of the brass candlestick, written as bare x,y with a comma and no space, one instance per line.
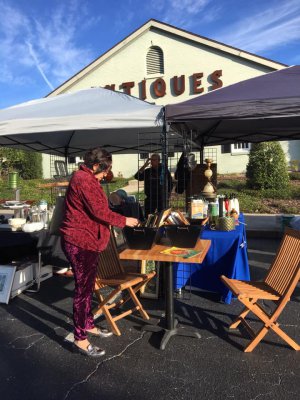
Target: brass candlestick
209,190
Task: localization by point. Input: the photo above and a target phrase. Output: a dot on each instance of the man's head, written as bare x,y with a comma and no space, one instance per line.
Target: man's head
155,160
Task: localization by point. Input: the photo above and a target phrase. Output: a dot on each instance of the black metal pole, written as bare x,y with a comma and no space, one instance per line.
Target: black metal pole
164,151
202,152
169,297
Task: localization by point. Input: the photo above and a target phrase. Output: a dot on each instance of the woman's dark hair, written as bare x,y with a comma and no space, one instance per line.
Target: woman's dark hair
98,156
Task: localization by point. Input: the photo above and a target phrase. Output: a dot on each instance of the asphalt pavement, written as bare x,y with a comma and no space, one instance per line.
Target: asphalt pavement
37,363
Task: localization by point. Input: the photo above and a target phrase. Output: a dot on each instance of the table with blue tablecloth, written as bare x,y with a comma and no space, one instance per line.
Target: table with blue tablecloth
226,256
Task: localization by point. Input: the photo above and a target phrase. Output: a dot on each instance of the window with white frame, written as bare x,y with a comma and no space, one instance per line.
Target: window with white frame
144,156
240,148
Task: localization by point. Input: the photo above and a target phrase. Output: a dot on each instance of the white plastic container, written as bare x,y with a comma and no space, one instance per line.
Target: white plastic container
197,209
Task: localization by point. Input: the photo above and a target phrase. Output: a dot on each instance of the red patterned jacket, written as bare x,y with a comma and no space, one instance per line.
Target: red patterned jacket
87,216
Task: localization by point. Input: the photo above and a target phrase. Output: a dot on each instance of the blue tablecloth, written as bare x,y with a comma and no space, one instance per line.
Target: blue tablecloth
226,256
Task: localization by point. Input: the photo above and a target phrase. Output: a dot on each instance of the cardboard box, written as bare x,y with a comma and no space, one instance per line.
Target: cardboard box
23,279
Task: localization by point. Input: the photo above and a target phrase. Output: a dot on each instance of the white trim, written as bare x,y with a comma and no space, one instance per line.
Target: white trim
243,148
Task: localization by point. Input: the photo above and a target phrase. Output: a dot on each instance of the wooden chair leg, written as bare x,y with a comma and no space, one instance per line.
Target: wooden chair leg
269,323
261,334
136,290
285,337
97,310
241,317
111,321
138,304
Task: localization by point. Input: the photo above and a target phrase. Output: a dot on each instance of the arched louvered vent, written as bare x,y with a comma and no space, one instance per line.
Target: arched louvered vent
155,61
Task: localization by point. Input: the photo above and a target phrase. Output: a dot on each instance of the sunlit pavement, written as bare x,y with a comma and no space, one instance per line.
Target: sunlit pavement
37,363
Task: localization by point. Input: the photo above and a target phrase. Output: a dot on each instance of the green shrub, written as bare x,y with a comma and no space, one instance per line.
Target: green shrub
294,165
27,163
267,167
31,167
276,193
294,176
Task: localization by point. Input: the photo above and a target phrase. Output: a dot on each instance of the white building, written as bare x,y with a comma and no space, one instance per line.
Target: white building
163,64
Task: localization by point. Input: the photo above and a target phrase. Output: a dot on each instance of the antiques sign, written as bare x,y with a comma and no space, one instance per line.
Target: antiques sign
177,85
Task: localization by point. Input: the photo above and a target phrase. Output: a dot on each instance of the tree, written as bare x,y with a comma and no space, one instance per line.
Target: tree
27,163
267,167
32,165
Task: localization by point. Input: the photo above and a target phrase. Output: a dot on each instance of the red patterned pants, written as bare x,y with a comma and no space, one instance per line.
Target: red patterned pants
84,264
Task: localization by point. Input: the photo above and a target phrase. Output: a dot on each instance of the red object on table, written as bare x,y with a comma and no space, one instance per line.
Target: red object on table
109,177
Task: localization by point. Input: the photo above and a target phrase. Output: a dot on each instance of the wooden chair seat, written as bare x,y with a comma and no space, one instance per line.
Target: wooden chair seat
254,290
278,286
125,280
111,273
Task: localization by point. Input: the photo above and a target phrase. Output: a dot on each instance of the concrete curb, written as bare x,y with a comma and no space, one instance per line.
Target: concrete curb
266,225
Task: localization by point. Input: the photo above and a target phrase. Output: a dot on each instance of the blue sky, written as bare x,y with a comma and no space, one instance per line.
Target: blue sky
45,42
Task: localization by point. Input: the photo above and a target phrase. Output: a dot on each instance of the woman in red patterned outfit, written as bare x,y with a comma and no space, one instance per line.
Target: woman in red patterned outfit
85,233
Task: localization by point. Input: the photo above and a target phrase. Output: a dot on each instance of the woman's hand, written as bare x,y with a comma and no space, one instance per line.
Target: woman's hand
132,221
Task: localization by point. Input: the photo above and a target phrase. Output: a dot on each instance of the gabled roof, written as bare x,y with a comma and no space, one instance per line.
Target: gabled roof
153,24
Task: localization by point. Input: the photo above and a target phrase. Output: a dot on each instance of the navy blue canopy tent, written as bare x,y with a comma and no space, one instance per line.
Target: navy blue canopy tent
260,109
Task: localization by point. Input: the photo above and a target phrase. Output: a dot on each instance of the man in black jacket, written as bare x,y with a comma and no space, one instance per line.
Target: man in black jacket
153,184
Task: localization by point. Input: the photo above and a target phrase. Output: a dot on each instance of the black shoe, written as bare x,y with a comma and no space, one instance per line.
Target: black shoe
91,351
102,333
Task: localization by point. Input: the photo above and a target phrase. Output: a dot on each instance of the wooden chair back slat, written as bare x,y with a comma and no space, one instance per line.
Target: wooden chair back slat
285,267
278,286
109,263
110,273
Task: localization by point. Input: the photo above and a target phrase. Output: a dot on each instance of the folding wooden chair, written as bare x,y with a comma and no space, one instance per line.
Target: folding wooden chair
111,273
61,170
278,286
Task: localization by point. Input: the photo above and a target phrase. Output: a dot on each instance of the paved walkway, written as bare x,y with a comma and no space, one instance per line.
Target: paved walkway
133,186
36,363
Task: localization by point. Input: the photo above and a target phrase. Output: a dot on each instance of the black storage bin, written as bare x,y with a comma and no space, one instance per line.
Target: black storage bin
141,238
181,236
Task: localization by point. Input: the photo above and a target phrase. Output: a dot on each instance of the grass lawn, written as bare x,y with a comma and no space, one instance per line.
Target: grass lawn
251,201
268,201
30,190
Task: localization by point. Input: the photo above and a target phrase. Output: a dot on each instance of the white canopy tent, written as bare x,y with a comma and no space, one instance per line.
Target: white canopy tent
71,123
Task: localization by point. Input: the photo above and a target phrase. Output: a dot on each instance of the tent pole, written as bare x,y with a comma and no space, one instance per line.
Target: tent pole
66,155
164,173
201,154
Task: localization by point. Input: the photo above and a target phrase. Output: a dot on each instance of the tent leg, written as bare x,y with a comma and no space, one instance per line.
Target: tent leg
164,176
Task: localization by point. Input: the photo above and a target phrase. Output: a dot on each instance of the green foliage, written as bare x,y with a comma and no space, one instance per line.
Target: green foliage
31,191
27,163
31,167
295,165
267,167
251,201
294,176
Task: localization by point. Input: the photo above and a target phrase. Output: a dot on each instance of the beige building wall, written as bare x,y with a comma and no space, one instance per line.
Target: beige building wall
184,54
181,57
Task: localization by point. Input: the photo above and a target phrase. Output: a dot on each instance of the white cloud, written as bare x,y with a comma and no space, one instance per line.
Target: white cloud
272,27
189,6
38,65
47,45
184,13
